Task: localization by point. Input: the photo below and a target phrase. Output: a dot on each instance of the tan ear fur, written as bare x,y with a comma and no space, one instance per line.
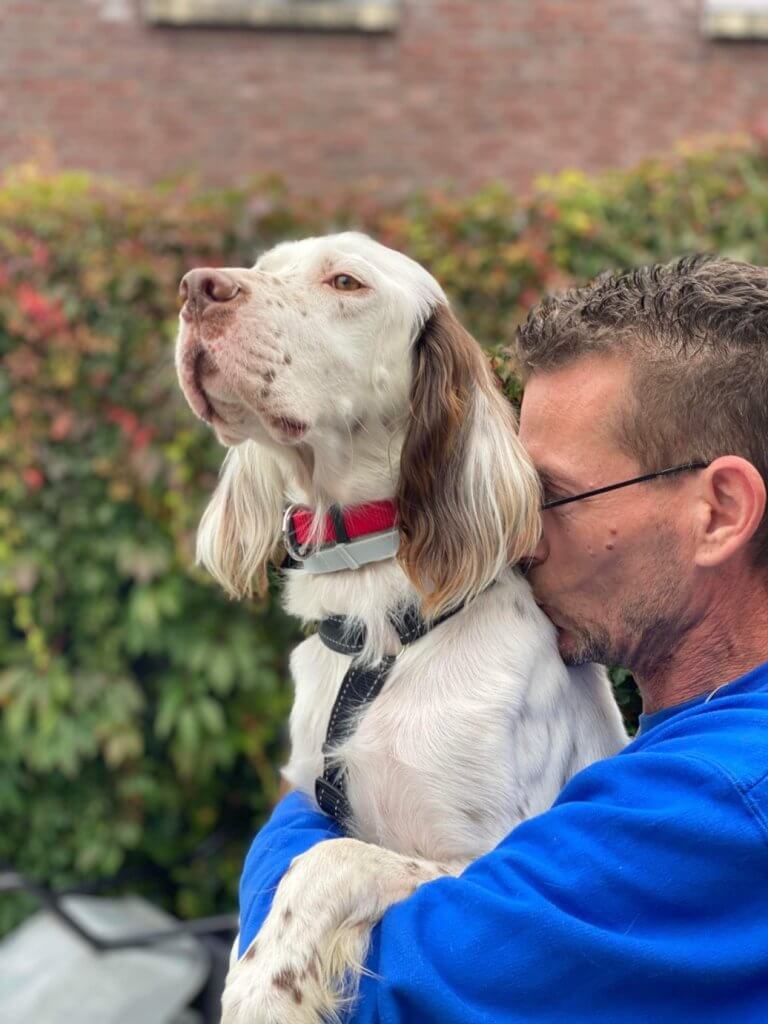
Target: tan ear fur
468,497
240,531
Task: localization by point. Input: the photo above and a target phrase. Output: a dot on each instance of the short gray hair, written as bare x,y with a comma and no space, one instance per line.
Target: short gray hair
695,332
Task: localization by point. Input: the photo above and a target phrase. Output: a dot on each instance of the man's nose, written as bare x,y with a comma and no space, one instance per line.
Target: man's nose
205,287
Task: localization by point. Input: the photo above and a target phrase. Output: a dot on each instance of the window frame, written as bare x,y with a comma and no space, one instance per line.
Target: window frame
735,19
317,15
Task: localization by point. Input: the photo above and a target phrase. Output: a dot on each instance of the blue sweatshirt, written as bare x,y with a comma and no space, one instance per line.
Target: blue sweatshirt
640,896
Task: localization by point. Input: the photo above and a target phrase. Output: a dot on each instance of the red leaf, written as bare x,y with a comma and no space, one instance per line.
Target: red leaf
33,478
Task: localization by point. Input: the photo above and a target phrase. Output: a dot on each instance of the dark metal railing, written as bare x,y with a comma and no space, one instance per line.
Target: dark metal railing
210,933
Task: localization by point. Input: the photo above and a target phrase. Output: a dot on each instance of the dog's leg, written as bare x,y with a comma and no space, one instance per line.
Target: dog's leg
305,963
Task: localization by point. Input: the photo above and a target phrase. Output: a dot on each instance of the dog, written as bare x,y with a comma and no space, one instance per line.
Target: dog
346,390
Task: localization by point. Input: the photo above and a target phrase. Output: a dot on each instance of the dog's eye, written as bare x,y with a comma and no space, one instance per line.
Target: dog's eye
346,283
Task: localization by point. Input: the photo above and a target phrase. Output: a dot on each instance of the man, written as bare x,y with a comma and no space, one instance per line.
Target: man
642,895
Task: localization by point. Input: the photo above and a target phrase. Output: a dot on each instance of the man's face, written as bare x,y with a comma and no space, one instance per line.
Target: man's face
613,572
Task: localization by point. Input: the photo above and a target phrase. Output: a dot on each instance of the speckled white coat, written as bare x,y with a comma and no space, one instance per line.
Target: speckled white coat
479,724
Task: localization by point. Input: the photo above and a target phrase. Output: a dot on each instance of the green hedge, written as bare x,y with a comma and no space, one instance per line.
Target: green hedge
142,712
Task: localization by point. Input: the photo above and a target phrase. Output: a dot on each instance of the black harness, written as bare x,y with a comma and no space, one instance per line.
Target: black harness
359,688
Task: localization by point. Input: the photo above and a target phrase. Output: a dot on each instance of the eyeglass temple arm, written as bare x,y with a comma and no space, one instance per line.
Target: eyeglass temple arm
624,483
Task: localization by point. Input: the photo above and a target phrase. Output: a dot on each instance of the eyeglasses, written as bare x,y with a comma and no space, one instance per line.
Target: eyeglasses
624,483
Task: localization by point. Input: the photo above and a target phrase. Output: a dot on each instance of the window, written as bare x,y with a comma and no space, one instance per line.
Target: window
339,15
736,19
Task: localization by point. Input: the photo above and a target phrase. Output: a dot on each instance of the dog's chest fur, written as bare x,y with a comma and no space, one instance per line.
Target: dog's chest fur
479,726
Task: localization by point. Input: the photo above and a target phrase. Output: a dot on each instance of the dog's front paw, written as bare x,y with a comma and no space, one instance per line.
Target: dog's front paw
284,977
305,963
271,984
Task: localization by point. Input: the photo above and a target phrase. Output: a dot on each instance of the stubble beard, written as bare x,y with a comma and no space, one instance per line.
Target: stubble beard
641,642
644,628
587,645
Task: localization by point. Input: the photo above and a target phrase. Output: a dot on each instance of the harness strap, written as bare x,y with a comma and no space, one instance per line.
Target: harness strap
346,636
360,686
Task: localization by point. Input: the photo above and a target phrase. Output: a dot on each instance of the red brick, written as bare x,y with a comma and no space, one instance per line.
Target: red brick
463,90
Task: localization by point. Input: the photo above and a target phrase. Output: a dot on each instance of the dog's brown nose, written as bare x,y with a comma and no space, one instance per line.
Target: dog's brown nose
205,286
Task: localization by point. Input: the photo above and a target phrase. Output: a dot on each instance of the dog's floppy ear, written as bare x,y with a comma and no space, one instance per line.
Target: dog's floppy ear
239,533
468,497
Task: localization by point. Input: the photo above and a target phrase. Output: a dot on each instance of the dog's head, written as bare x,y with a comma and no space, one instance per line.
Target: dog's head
312,339
336,364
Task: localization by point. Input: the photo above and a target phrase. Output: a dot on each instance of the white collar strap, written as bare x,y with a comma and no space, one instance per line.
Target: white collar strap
375,547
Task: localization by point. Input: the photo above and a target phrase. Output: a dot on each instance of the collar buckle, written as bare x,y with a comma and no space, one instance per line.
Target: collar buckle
295,551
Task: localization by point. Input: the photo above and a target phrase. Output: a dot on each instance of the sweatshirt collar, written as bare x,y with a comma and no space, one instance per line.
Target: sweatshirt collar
755,679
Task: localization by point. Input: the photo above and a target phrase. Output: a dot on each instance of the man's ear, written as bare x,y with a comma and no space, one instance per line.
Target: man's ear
732,499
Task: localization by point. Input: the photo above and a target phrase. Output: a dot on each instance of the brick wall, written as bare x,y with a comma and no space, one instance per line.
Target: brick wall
464,90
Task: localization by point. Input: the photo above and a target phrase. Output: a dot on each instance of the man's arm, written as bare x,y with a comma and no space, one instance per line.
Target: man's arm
601,909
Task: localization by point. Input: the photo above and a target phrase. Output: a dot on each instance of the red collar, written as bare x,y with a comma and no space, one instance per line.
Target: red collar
342,525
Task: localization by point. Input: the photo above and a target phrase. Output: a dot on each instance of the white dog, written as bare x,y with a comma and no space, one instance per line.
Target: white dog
343,383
